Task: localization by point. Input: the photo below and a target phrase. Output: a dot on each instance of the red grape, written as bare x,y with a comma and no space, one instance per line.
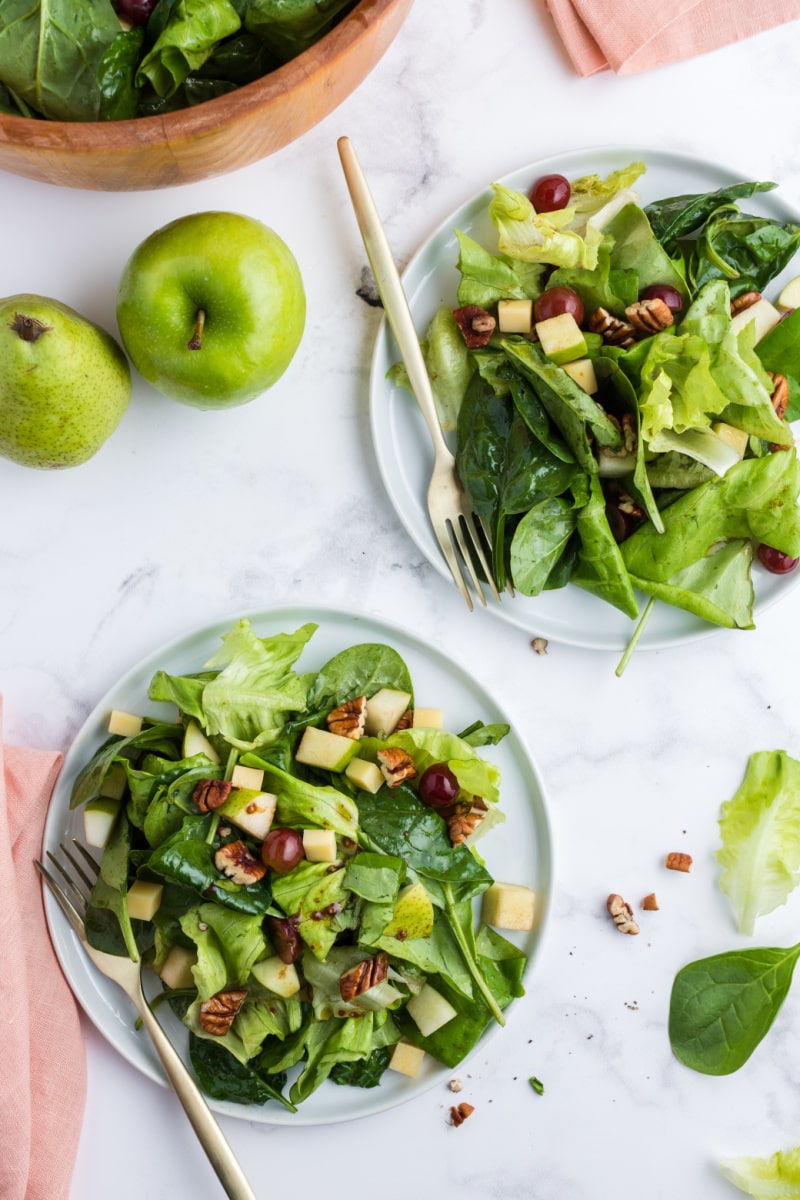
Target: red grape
557,300
135,11
285,938
282,850
550,193
776,561
663,291
438,786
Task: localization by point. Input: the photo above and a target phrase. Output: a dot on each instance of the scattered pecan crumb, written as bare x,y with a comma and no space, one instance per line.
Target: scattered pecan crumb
455,1085
621,914
650,904
676,860
539,645
460,1112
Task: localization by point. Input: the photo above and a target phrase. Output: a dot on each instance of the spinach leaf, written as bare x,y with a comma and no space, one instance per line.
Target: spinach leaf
636,248
358,671
107,918
223,1077
539,542
288,27
479,734
747,251
90,778
363,1073
678,216
193,29
600,568
188,859
116,75
721,1007
779,351
534,414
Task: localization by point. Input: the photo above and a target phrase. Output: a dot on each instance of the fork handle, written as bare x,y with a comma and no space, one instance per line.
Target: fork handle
390,287
201,1118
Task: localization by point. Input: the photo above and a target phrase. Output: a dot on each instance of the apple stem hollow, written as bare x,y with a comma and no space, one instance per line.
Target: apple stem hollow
196,340
28,328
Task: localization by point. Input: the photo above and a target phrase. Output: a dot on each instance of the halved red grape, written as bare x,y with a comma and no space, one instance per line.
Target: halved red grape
776,561
285,938
550,193
555,301
438,786
136,11
663,291
282,850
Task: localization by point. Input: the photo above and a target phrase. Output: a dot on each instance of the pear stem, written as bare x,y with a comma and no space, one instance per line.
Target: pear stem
196,340
28,328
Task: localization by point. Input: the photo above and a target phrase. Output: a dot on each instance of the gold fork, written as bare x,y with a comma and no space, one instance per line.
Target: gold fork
455,523
128,975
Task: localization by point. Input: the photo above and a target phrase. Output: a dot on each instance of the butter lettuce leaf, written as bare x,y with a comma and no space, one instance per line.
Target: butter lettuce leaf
773,1178
540,237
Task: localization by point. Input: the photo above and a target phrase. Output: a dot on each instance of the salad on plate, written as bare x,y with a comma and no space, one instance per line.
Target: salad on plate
295,857
620,378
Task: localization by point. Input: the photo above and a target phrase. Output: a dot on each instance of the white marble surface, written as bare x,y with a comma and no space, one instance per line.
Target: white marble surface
186,516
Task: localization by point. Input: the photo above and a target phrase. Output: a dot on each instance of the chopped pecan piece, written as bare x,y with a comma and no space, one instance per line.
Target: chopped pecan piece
461,823
780,393
650,316
211,793
614,331
363,976
218,1012
348,719
677,861
476,324
650,904
406,721
396,765
539,645
236,861
621,914
746,300
460,1112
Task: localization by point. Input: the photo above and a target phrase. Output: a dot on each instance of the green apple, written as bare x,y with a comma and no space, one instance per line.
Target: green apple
211,309
64,383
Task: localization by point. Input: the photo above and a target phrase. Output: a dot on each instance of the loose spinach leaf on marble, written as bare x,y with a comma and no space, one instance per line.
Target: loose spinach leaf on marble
721,1007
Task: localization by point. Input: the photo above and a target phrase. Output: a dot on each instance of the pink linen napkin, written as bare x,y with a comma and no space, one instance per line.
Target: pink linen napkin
42,1058
630,36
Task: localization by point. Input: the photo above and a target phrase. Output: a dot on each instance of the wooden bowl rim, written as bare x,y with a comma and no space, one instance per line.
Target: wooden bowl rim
211,115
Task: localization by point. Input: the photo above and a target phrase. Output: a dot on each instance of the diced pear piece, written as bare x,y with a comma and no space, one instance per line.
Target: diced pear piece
765,315
514,316
177,969
584,374
114,782
429,1010
406,1059
124,724
250,810
384,710
413,913
247,777
319,845
325,750
144,899
737,438
196,742
790,296
427,718
278,976
561,338
365,775
98,820
509,906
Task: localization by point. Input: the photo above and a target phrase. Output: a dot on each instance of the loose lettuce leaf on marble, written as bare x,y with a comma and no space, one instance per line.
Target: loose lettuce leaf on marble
773,1178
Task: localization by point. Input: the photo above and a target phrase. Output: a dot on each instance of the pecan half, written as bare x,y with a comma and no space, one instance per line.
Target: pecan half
218,1012
614,331
396,765
460,1112
211,793
405,722
621,914
235,860
476,324
677,861
650,316
462,823
349,719
780,393
746,300
363,976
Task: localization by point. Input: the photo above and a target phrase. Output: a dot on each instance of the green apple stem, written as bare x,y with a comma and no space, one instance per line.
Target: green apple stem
28,328
196,340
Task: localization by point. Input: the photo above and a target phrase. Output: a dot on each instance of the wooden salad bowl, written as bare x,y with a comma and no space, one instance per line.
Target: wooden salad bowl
212,138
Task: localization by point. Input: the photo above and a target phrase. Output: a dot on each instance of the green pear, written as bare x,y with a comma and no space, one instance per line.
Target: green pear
64,383
413,914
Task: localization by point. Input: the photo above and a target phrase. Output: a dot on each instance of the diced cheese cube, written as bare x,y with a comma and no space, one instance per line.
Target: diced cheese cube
737,438
384,710
509,906
429,1010
177,969
319,845
365,775
247,777
144,899
406,1059
583,372
124,724
514,316
427,718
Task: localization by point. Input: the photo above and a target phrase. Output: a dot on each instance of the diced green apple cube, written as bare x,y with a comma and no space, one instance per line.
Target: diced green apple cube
325,750
365,775
196,742
790,296
764,314
406,1059
384,710
427,718
429,1010
583,372
250,810
509,906
177,969
277,976
98,820
247,777
124,724
561,338
319,845
144,899
514,316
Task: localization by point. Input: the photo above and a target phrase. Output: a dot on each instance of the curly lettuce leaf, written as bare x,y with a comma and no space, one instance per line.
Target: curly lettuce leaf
193,29
590,193
760,829
540,237
773,1178
449,365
